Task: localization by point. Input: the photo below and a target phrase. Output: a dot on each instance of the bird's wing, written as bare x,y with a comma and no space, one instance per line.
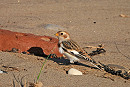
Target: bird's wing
70,44
74,49
80,56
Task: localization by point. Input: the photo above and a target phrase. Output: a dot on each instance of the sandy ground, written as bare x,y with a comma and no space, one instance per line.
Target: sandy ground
89,22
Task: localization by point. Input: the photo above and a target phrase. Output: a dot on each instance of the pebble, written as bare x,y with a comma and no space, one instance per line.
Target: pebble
53,27
39,84
1,71
73,71
94,22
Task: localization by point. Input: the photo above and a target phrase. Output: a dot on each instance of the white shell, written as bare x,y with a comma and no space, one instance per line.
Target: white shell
73,71
2,71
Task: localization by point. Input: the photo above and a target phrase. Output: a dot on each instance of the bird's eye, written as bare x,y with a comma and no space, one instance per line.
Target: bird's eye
61,33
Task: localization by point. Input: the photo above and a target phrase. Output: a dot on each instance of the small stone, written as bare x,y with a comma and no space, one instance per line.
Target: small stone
39,84
24,52
14,50
73,71
53,27
1,71
94,22
122,15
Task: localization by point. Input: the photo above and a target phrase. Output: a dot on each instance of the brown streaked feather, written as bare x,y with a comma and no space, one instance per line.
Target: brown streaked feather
70,44
71,47
84,57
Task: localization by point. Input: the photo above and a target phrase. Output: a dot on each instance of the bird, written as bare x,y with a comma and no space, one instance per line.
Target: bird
72,50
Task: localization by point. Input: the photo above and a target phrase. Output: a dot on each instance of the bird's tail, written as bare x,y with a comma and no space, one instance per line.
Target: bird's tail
92,61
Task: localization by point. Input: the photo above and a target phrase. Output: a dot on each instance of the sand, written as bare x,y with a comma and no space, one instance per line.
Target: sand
89,22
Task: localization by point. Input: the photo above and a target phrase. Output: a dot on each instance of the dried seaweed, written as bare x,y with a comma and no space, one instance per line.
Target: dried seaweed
122,73
100,49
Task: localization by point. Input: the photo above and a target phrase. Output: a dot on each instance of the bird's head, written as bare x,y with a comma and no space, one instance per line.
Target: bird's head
62,36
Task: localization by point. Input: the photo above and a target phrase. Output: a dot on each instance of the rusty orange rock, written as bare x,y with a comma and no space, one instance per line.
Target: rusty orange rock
25,42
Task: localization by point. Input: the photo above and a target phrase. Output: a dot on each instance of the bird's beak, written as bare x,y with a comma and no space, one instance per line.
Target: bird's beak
57,34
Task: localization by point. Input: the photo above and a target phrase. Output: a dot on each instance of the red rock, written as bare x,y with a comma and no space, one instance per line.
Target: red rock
25,41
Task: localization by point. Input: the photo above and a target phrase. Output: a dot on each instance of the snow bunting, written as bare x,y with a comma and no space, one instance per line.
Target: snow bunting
71,49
